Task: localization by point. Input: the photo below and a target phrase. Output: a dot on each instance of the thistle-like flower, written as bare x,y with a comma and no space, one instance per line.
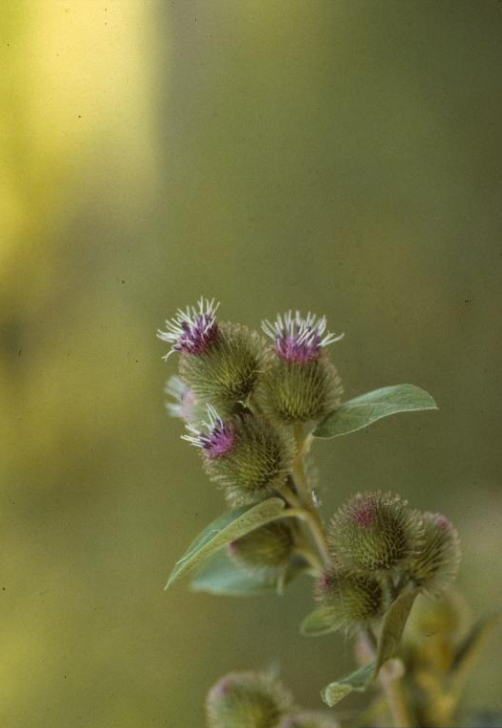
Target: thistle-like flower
245,454
266,549
300,383
298,339
247,700
218,438
375,531
351,599
308,719
436,563
193,330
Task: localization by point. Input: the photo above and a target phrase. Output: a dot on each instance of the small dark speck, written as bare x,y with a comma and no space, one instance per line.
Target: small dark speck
79,116
3,588
19,352
123,281
467,300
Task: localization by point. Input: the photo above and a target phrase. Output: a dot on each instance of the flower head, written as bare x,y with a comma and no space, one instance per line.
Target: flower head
247,700
216,439
298,339
350,598
375,531
436,564
267,548
245,454
192,331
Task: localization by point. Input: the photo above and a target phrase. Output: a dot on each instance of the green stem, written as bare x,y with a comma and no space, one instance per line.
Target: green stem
305,495
311,558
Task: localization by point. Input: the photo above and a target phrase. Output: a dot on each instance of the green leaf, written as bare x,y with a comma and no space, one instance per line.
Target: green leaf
357,681
393,626
224,529
389,641
220,575
368,408
319,622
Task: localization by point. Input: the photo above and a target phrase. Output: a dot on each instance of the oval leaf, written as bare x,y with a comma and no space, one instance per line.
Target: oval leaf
393,626
221,576
357,681
319,622
224,529
368,408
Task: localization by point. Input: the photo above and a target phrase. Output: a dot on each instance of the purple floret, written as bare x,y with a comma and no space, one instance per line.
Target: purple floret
218,442
299,339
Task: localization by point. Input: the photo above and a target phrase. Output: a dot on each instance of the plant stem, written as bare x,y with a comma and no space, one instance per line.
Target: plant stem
392,687
311,558
299,478
396,698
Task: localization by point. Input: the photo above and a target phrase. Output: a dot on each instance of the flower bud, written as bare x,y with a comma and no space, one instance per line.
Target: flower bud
300,383
375,531
353,598
247,700
245,454
436,563
308,720
267,548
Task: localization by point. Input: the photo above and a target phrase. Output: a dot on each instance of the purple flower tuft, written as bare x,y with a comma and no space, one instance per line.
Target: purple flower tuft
218,438
192,331
298,339
364,513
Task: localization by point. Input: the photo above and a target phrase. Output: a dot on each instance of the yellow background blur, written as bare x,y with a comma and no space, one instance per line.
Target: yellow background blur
335,155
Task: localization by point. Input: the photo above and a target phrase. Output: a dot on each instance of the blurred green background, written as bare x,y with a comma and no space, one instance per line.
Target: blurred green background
341,156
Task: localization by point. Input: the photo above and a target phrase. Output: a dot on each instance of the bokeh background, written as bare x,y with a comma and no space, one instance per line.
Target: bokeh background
341,156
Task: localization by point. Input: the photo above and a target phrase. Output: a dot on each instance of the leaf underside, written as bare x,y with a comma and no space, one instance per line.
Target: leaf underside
221,576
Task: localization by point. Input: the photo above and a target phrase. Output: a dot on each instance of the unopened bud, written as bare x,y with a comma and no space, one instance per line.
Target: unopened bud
245,454
375,531
436,563
247,700
300,383
352,598
267,548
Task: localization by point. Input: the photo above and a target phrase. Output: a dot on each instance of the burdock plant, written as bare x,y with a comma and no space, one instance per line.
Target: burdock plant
382,570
